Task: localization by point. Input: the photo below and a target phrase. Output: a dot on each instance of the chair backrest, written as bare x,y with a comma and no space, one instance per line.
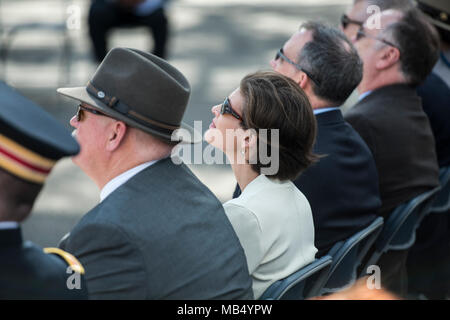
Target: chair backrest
302,284
348,255
399,231
441,204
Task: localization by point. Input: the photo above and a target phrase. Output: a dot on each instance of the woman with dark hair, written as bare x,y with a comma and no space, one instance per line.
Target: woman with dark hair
267,129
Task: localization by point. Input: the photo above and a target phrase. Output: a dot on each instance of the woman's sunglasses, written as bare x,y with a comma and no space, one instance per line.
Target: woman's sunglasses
226,108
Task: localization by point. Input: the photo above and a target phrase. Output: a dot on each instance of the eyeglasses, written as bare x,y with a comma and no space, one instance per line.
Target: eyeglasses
361,34
345,21
82,108
226,108
280,54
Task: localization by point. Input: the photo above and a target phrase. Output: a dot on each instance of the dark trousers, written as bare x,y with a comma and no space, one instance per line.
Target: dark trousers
394,276
428,262
103,16
392,266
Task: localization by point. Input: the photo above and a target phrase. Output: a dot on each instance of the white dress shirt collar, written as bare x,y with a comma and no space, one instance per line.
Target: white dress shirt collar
122,178
8,225
364,94
322,110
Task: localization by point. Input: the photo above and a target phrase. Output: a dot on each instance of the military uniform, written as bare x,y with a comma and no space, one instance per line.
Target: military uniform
31,142
28,272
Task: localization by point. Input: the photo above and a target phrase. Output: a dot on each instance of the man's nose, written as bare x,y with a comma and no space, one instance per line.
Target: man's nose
73,121
215,110
273,63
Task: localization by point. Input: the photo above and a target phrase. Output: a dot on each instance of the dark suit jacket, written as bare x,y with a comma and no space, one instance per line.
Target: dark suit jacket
26,272
435,96
428,261
392,122
342,188
161,235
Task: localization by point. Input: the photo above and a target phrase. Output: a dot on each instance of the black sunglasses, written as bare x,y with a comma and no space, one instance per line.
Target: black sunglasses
226,108
82,108
345,21
280,54
361,34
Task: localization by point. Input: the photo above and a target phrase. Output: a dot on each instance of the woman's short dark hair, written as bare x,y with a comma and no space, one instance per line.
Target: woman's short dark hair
273,101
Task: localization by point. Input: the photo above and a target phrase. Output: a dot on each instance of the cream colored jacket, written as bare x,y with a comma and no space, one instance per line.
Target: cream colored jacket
274,223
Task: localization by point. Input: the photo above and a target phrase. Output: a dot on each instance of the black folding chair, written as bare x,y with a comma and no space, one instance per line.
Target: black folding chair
348,255
441,204
399,231
305,283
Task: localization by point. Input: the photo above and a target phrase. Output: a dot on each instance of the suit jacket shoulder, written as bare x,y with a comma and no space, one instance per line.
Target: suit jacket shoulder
342,187
435,96
398,132
162,235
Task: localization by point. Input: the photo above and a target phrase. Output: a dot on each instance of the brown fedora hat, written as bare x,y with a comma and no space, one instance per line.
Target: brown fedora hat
142,90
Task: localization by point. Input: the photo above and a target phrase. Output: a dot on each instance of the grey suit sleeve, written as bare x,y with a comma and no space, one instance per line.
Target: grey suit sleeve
114,266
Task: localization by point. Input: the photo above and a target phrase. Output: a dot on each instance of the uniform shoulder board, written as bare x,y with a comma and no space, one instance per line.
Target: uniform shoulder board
68,258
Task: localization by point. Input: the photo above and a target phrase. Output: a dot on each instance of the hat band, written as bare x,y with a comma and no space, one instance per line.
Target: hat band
117,105
23,162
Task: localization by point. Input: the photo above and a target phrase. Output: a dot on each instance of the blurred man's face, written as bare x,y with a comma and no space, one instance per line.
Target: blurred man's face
355,16
291,50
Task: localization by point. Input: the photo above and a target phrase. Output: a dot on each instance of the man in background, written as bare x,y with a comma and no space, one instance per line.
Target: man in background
104,15
429,258
31,142
397,57
361,10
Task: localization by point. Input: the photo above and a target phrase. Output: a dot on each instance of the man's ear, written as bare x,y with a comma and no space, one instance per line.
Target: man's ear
303,81
116,135
389,56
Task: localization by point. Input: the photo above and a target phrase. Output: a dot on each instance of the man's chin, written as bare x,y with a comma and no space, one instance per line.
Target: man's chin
75,160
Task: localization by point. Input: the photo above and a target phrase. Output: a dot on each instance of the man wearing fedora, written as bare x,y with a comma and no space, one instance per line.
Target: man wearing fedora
158,232
31,142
